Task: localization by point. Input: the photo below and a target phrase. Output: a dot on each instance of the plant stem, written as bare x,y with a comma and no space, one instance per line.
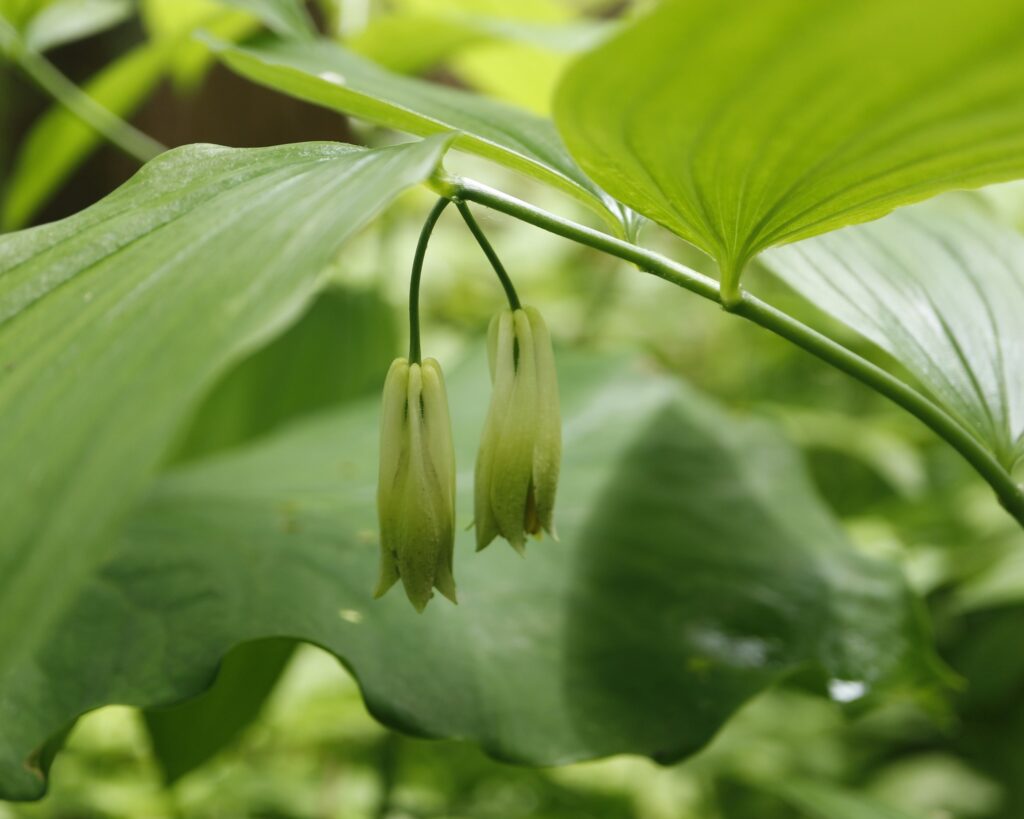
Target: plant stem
1010,494
417,274
114,129
492,257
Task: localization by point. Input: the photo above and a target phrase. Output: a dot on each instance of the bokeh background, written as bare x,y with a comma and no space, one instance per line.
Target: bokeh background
314,751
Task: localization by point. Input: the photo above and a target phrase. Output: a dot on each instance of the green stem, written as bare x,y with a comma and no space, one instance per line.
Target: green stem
492,257
118,132
417,274
1010,494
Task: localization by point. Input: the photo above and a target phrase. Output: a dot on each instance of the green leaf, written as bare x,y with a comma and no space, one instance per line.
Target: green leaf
127,312
59,141
941,289
68,20
696,567
744,125
325,73
336,351
185,736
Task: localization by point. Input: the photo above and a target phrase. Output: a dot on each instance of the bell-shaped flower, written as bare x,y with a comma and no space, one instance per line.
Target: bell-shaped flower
416,487
517,466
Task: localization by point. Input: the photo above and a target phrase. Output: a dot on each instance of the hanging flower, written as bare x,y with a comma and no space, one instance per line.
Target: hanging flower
517,466
416,487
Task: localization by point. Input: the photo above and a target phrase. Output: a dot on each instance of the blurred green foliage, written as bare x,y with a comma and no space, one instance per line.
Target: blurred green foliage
792,752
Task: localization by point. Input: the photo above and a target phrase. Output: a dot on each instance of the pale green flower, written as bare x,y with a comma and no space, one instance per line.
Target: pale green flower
517,466
416,488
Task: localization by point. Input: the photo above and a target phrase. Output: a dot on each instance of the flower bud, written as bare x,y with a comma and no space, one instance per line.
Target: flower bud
416,487
517,466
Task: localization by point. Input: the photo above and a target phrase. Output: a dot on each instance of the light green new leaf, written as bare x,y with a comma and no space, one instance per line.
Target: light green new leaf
327,74
741,125
941,288
696,567
59,141
113,322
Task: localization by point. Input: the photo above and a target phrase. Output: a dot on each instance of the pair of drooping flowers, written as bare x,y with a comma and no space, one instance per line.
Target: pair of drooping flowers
517,464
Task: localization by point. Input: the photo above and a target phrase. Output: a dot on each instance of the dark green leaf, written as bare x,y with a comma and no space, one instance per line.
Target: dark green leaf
696,567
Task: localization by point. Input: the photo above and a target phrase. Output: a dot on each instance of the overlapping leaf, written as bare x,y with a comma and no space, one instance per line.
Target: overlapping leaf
327,74
941,288
113,322
696,567
744,125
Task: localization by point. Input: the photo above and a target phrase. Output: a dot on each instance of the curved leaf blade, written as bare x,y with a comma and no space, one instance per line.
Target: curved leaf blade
745,125
324,73
696,567
127,311
939,287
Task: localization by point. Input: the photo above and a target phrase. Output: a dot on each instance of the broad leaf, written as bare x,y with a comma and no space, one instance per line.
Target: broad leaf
743,125
113,322
941,288
290,377
696,567
327,74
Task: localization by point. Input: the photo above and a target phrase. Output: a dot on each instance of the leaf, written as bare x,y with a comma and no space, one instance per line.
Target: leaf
744,125
127,312
696,567
941,289
336,351
68,20
326,74
185,736
59,141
